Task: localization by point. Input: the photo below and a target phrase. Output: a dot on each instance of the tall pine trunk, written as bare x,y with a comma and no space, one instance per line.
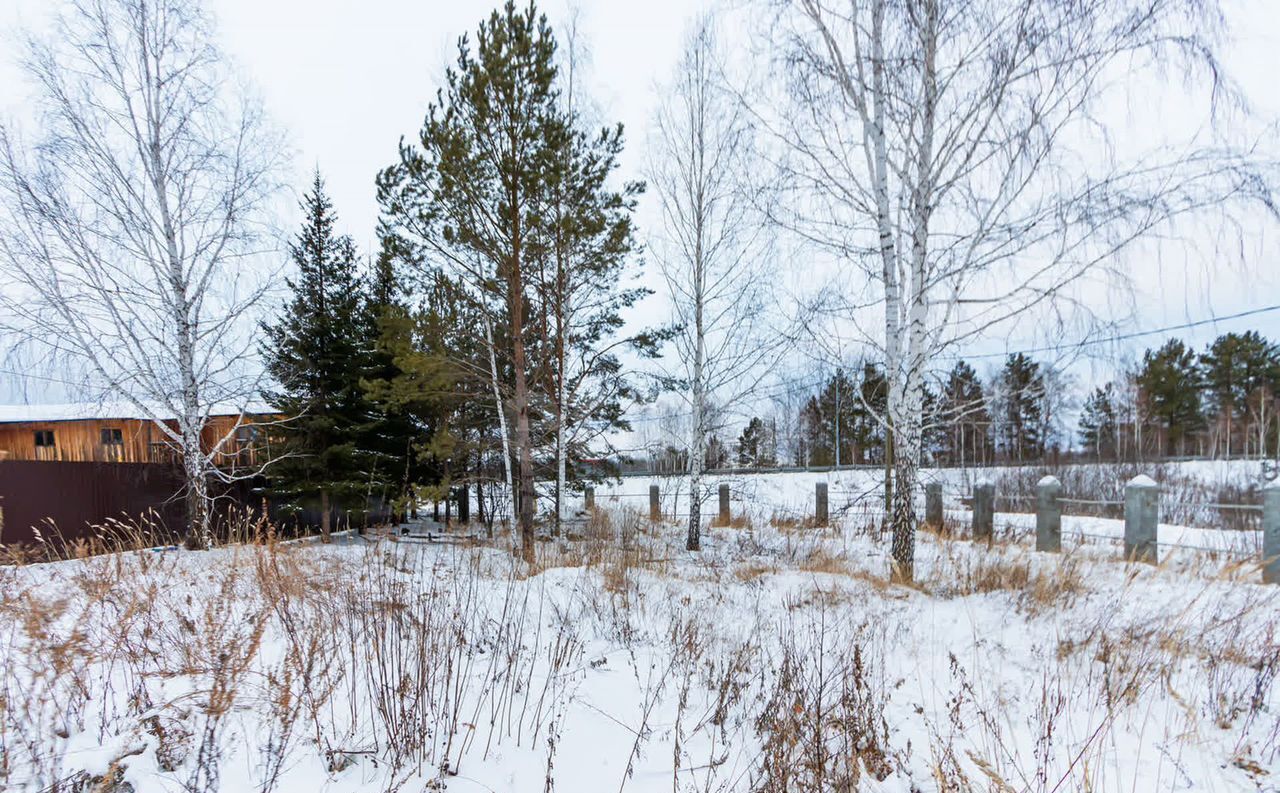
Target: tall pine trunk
562,356
515,286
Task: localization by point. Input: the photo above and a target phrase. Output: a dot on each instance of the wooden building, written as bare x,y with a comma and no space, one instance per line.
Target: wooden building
116,433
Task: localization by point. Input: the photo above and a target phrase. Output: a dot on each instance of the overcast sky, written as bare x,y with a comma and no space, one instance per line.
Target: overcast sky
347,78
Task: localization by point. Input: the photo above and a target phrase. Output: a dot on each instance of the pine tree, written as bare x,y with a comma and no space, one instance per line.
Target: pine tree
317,352
830,422
435,386
1098,424
1169,382
591,243
869,432
1241,373
474,196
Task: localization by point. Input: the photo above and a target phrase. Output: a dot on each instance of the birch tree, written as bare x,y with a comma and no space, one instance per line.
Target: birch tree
711,253
955,159
127,229
591,247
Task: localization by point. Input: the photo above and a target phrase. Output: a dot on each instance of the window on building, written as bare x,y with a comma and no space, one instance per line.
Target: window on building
44,439
112,436
246,439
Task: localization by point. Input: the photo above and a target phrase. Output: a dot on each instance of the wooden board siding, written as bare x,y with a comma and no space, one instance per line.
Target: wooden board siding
80,440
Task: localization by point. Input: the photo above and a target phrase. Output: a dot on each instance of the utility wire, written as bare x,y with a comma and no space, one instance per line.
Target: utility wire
1127,336
785,385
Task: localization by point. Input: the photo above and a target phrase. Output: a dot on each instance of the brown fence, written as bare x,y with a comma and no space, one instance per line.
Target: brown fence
51,500
58,502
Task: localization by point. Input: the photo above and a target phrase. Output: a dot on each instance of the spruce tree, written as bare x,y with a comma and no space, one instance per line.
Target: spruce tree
1170,387
965,418
317,352
1022,392
390,437
756,446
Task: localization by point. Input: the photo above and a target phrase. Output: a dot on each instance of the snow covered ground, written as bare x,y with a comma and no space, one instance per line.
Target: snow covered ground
778,659
857,495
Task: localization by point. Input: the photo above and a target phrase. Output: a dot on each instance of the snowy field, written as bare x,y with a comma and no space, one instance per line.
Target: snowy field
779,659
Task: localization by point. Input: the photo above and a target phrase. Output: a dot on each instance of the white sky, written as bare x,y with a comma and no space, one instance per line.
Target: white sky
347,78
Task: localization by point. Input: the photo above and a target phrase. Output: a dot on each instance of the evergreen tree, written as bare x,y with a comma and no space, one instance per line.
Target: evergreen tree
1241,374
869,432
591,243
1098,423
503,192
844,416
1021,390
318,352
830,422
389,438
1169,382
756,445
717,454
965,418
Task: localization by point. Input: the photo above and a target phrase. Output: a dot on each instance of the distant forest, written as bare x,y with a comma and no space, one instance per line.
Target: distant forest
1220,402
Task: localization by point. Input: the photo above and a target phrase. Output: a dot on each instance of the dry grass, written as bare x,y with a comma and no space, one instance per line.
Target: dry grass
739,521
1036,581
750,571
410,657
789,522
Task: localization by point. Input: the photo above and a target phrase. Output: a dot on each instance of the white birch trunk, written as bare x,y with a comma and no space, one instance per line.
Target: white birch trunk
698,448
502,424
562,396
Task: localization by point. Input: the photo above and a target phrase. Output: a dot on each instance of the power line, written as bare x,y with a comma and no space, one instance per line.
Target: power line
1128,336
39,377
784,385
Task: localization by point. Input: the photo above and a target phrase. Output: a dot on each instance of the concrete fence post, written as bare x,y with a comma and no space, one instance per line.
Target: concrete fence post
589,498
1048,515
984,510
655,506
1141,516
1271,533
933,505
820,513
724,505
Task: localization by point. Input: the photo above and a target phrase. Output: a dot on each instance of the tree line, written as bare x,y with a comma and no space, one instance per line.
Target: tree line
1222,402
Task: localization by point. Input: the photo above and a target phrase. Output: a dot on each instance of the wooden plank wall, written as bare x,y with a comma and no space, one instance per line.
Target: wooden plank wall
142,442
